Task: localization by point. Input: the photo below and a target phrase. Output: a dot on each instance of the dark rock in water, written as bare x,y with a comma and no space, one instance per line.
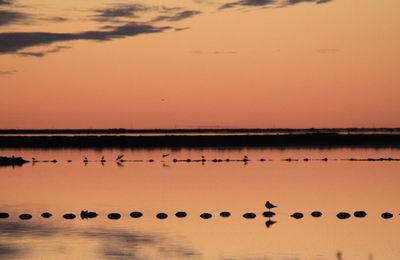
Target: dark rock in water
225,214
269,223
91,214
297,215
25,216
114,216
343,215
205,215
360,214
136,214
387,215
249,215
4,215
268,214
85,214
46,215
161,216
316,214
69,216
12,161
180,214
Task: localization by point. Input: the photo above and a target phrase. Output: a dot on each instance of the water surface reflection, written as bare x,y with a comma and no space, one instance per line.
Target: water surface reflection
235,187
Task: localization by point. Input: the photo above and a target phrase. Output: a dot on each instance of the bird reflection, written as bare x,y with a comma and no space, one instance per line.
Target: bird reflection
119,164
269,223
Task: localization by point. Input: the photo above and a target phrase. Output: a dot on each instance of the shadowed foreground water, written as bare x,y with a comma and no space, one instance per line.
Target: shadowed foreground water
194,188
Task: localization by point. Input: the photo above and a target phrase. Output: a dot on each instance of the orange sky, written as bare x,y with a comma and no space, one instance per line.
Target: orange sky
185,64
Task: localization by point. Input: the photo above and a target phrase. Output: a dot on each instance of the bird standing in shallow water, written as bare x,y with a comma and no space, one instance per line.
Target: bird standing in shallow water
119,157
269,205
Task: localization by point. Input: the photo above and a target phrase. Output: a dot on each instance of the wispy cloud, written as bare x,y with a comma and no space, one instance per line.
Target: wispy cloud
7,72
55,19
214,52
5,2
182,29
177,17
40,54
119,11
270,3
327,50
12,42
8,17
248,3
293,2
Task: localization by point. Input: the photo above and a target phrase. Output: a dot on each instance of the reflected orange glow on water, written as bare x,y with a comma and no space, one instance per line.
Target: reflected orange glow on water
329,187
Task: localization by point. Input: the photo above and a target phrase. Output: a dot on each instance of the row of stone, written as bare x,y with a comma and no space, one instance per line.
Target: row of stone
342,215
181,214
136,214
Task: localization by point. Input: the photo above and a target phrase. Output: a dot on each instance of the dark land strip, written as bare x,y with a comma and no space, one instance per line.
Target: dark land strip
201,131
192,141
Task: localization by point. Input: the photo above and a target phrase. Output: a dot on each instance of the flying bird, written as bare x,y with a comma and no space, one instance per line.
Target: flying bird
165,155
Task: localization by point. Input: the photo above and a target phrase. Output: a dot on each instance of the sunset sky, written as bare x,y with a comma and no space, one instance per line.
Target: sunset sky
199,63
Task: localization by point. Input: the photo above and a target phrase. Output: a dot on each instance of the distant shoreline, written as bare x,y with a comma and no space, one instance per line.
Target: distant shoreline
193,131
192,141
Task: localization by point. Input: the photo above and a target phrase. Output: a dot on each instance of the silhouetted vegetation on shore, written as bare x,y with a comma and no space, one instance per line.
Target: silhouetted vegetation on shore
12,161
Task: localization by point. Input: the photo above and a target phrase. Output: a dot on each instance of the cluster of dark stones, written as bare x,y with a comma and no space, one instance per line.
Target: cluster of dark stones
85,214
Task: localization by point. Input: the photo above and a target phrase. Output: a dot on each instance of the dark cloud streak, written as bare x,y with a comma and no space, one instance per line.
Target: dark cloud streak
5,2
40,54
248,3
12,42
177,17
8,17
7,72
272,3
120,11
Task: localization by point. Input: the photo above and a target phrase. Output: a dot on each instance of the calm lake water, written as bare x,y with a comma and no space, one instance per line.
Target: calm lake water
195,187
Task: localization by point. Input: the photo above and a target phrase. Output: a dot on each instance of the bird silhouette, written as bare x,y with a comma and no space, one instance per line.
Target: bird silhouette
269,205
85,160
102,159
165,155
119,157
